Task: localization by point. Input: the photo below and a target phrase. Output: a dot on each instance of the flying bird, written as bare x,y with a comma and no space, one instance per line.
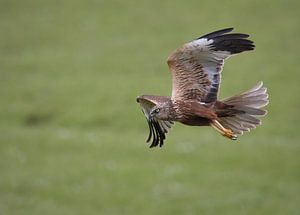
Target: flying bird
196,75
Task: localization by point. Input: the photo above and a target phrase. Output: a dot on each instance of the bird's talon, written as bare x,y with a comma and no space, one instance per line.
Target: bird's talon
229,133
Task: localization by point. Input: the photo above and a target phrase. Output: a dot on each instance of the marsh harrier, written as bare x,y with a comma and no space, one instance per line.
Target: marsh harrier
196,75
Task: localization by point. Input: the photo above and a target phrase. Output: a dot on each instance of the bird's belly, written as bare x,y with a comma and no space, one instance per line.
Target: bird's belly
196,121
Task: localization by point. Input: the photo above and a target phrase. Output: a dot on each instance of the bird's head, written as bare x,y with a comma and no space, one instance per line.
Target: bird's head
160,112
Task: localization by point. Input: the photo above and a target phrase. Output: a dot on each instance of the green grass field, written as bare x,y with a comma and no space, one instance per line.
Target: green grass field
72,137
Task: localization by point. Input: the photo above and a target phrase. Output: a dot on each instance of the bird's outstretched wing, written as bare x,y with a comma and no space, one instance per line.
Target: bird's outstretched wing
157,128
196,66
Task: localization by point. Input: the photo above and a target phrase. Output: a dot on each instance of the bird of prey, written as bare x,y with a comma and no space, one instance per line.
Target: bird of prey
196,75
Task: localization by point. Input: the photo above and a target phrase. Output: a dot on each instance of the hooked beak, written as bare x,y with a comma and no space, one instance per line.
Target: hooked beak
151,115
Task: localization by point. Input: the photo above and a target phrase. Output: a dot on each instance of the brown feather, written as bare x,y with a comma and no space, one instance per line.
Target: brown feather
196,66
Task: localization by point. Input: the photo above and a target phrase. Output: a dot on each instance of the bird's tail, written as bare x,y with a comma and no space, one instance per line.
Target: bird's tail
244,110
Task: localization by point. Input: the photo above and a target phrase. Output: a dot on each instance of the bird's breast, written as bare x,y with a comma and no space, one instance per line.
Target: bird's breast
195,121
193,113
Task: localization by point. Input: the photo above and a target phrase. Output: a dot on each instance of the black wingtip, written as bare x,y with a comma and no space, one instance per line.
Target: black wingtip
156,133
234,43
150,131
216,33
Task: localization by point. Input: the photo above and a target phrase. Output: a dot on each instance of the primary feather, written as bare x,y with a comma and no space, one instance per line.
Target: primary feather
196,66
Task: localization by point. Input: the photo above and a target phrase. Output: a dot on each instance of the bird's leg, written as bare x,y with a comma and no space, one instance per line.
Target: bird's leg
224,131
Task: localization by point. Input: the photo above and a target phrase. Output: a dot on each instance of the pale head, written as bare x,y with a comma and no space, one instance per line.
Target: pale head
161,111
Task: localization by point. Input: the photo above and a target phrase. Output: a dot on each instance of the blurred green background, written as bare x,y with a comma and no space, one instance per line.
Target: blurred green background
72,137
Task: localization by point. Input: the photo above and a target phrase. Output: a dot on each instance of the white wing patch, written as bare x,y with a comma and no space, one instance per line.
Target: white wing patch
196,66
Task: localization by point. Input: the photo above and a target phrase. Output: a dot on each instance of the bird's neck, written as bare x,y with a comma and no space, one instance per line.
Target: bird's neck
171,108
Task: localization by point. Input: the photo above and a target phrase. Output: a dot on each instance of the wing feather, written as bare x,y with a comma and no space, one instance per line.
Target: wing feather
196,66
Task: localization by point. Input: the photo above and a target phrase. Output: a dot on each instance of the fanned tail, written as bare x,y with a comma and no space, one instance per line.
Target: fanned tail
245,109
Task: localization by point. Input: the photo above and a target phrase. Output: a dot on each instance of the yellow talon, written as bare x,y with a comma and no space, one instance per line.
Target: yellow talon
224,131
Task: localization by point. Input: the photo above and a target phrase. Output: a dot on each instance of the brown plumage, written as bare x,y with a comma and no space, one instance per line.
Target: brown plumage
196,74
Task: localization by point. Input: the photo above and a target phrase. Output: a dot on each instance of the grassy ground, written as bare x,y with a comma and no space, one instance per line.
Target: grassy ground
72,136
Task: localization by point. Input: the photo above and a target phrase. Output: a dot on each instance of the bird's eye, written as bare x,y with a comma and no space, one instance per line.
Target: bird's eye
157,110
